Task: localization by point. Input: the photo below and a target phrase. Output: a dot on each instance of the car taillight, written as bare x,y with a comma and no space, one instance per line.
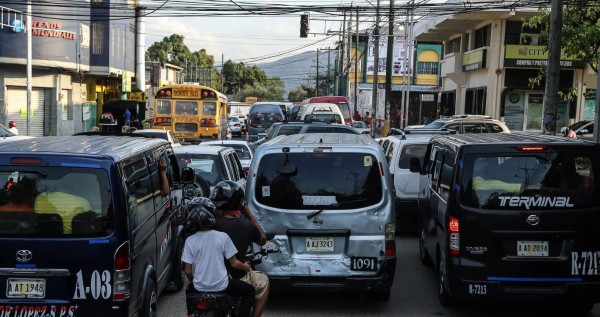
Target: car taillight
453,236
236,125
390,239
122,273
246,169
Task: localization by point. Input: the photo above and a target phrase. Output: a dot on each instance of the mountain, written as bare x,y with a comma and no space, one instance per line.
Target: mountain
300,68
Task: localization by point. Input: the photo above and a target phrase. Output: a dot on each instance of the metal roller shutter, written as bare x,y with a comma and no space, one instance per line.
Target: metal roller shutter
16,107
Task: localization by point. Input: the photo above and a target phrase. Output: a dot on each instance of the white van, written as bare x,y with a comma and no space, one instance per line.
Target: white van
327,198
324,112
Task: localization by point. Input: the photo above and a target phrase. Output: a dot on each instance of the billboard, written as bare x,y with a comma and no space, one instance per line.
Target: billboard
399,52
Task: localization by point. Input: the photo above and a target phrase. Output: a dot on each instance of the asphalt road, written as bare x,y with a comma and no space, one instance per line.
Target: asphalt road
414,293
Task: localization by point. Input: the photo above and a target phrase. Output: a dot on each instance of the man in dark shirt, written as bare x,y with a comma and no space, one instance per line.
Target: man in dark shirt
229,199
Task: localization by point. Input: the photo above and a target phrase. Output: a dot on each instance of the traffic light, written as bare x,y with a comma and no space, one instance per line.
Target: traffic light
304,25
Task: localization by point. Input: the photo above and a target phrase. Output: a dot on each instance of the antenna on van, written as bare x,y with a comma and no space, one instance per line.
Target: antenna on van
321,140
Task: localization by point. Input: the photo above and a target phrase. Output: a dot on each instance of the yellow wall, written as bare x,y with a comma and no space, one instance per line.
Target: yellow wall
428,56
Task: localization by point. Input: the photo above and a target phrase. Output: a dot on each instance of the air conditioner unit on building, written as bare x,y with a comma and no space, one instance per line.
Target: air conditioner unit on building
530,39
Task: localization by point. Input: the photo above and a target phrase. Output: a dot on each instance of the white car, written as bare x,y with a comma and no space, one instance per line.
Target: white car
7,136
361,127
159,134
235,125
243,149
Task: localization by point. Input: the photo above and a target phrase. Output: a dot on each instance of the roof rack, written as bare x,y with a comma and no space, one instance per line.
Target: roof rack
474,116
443,131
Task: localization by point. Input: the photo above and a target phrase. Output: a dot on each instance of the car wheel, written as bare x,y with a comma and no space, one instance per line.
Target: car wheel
424,256
201,187
149,301
443,295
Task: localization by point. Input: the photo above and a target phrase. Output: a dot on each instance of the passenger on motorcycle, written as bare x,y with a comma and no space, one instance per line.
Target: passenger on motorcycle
228,196
204,253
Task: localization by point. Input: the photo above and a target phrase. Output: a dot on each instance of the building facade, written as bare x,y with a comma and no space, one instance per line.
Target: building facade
488,59
82,56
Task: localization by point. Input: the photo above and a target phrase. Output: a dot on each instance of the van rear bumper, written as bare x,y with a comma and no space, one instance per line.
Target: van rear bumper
515,289
380,282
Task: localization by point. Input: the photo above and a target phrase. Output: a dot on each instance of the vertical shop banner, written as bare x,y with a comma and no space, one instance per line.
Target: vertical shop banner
514,107
589,105
398,68
535,110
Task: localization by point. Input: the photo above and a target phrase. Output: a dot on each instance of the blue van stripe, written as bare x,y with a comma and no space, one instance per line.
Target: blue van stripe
535,279
80,165
99,241
25,266
460,164
457,187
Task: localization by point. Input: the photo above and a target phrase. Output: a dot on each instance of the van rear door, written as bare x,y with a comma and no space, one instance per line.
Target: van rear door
328,209
530,214
56,230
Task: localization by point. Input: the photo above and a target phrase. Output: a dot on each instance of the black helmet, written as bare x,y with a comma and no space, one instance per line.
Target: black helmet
227,195
201,214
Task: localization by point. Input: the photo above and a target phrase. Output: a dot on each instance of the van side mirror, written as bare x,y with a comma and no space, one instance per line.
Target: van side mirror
188,175
415,165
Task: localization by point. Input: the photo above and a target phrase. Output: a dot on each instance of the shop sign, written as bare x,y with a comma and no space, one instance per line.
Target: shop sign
474,60
137,96
535,56
126,81
51,29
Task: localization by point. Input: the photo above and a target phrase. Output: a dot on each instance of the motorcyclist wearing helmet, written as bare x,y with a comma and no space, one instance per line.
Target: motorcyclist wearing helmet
204,253
12,127
228,196
567,132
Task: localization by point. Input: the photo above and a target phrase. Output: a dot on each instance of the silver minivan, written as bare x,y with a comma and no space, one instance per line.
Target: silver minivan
328,200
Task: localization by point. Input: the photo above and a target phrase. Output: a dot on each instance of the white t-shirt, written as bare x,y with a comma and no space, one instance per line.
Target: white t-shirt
207,251
14,130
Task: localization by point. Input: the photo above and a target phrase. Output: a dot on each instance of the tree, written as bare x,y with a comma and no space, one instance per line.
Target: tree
301,93
272,90
238,75
172,50
580,30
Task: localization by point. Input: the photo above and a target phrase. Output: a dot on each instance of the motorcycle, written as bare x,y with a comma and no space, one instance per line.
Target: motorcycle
221,304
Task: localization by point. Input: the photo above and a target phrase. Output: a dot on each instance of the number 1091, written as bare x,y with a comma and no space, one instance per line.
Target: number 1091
363,264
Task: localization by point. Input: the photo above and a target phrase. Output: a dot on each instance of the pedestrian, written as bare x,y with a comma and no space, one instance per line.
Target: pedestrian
357,116
127,117
12,127
368,120
398,117
426,120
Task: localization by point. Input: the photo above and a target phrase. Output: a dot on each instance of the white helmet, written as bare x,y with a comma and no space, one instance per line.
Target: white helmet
564,130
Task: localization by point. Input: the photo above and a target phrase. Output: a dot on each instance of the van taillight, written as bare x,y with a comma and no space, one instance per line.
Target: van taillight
122,273
203,304
453,236
390,239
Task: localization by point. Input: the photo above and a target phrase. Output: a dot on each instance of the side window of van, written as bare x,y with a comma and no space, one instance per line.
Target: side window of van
436,169
385,145
139,186
446,176
237,165
390,152
232,167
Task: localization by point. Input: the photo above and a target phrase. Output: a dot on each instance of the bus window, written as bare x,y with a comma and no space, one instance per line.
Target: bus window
186,107
209,109
163,107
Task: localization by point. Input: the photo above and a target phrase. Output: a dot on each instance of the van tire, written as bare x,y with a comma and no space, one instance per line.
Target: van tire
379,296
443,295
423,254
177,280
150,300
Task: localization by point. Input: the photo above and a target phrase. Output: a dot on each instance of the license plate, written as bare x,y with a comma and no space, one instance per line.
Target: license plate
363,264
25,288
532,248
319,244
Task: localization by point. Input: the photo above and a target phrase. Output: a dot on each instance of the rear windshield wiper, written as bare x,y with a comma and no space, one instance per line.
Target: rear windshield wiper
342,203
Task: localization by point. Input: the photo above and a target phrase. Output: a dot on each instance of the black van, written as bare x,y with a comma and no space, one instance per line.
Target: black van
260,118
84,228
512,216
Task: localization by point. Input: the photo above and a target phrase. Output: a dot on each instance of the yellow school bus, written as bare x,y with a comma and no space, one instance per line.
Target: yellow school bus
191,112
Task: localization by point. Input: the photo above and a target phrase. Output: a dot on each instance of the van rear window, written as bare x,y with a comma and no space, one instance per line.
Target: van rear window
411,151
54,201
318,180
536,181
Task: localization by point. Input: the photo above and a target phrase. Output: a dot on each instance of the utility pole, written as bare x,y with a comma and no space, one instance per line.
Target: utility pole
341,64
389,67
356,44
222,77
317,86
328,71
553,69
29,67
375,71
